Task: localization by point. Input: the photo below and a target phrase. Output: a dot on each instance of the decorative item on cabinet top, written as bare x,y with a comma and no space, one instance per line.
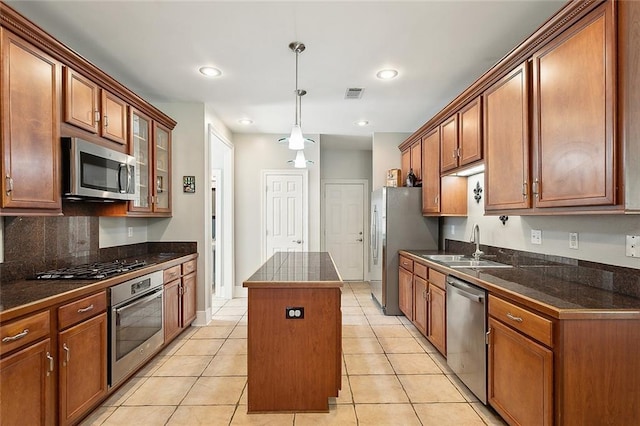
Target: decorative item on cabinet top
394,177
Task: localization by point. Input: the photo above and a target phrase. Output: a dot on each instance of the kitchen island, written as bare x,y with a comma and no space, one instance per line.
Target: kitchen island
294,333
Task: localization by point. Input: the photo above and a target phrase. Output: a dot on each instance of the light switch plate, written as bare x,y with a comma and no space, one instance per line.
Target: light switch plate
573,240
536,236
633,246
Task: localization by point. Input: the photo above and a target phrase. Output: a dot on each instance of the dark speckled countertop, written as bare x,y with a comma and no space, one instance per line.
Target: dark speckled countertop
24,296
289,269
533,286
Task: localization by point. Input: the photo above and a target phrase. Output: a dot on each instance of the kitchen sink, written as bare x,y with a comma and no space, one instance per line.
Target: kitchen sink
457,261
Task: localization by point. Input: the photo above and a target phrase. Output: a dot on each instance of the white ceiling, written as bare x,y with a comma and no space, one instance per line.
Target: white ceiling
156,47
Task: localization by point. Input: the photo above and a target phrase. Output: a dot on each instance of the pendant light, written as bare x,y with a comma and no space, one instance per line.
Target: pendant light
300,162
296,140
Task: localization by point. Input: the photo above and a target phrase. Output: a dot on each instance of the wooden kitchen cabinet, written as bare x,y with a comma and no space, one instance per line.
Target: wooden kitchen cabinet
461,137
436,297
82,360
506,142
449,144
151,146
441,196
92,108
180,298
420,305
27,371
411,159
30,128
520,368
405,287
26,386
574,98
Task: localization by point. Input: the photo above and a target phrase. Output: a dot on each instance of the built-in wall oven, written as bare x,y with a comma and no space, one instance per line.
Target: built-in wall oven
135,323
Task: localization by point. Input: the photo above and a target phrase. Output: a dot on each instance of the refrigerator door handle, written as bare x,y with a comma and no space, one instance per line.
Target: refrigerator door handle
374,234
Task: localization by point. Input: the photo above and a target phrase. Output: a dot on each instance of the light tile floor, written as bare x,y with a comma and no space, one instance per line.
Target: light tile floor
391,376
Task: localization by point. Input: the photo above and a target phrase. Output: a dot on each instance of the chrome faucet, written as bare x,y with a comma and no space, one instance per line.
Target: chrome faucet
475,238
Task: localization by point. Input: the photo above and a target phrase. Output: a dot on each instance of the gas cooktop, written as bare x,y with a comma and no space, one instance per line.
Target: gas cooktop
91,271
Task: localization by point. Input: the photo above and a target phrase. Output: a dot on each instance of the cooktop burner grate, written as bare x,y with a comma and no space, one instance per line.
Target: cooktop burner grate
90,271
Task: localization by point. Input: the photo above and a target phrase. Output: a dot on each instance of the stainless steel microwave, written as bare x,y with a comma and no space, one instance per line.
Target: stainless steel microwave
91,171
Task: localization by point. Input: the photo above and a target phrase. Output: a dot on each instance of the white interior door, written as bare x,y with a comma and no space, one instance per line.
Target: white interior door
344,228
284,218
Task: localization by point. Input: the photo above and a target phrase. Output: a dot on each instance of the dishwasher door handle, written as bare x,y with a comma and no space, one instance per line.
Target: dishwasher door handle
475,297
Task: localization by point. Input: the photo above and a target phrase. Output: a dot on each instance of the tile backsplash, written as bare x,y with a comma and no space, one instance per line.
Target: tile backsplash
35,244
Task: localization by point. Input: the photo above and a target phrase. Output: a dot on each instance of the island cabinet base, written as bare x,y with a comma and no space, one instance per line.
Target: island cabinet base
294,364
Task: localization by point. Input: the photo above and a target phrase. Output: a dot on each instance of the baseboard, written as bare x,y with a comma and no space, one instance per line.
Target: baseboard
203,318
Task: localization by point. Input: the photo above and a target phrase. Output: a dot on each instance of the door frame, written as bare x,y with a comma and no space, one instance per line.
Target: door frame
365,216
263,206
224,219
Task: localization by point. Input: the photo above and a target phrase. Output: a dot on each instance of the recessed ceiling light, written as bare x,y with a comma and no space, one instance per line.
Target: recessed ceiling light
245,121
362,123
210,71
387,74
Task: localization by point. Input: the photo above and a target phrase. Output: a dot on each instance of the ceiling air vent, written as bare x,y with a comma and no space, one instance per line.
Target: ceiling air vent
354,93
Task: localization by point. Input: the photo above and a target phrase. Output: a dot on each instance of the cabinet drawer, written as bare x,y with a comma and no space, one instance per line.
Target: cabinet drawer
189,267
80,310
406,263
437,278
171,273
420,270
23,331
523,320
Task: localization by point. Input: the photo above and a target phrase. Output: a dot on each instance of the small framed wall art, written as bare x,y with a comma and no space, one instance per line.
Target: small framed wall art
189,184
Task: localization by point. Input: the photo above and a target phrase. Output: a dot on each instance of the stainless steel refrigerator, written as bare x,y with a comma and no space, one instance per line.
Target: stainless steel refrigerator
396,223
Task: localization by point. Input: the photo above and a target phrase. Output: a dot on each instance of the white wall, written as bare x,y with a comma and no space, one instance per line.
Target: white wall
114,231
345,164
601,238
386,155
254,153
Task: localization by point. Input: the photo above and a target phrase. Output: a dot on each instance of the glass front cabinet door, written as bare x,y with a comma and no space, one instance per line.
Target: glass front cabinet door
151,146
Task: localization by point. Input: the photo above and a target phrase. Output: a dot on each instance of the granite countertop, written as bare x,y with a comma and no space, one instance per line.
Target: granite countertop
297,267
24,296
536,287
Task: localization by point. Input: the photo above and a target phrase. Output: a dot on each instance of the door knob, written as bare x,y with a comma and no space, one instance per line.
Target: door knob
297,241
359,240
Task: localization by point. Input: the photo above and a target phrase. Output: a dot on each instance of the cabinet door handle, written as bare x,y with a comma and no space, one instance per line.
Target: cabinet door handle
525,189
50,358
87,309
96,116
67,352
16,337
437,199
9,183
106,120
536,188
455,154
487,339
513,317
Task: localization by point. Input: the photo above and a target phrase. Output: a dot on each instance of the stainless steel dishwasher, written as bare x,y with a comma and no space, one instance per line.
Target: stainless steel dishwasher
466,334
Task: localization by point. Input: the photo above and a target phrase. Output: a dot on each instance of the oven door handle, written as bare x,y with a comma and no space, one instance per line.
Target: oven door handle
154,295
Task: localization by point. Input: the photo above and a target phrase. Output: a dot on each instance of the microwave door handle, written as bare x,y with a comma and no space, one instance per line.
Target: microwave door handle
123,167
129,176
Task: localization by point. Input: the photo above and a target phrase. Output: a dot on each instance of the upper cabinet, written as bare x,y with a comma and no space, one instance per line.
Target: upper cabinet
462,137
91,108
506,136
30,128
573,113
151,146
412,160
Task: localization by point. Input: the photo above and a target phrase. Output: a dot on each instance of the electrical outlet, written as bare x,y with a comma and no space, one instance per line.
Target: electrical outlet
294,312
536,236
633,246
130,231
573,240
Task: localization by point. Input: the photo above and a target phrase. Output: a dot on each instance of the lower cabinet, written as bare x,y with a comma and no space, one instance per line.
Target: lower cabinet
27,376
180,300
82,357
422,299
437,318
520,369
